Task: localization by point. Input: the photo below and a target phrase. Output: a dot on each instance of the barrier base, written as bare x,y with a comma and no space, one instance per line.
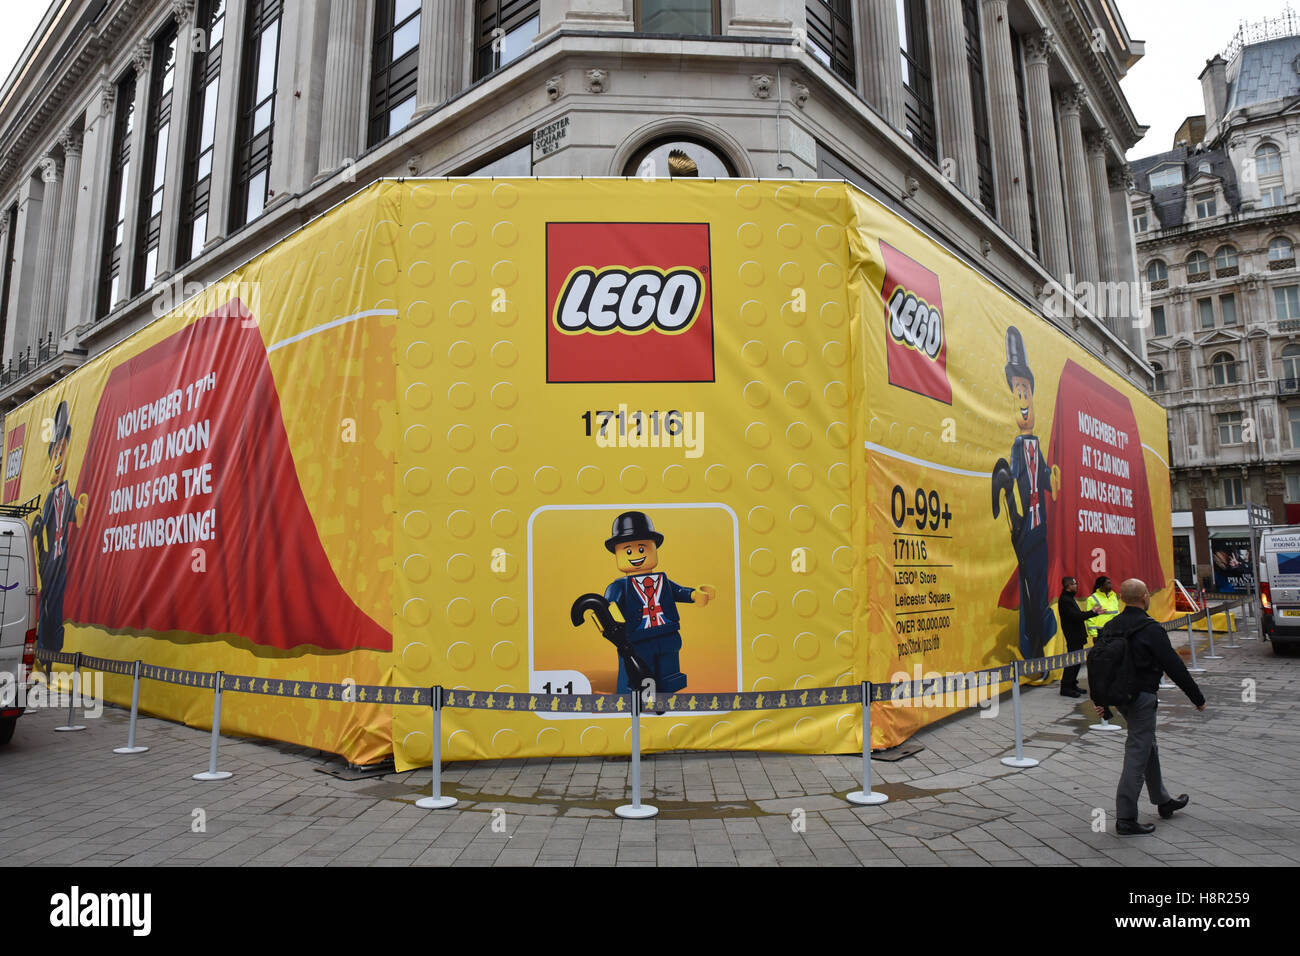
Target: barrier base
868,798
129,750
1020,762
436,803
214,775
1211,657
629,812
1106,726
68,729
1196,670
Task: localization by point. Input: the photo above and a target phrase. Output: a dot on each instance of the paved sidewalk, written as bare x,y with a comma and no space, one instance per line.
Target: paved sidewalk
67,799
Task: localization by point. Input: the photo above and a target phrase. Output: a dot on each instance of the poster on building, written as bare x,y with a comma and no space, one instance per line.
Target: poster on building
1232,571
783,439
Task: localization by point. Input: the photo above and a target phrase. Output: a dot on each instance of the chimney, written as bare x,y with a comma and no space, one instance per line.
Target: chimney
1214,87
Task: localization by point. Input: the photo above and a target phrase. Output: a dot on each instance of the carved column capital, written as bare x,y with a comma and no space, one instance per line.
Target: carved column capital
70,139
1072,98
1039,47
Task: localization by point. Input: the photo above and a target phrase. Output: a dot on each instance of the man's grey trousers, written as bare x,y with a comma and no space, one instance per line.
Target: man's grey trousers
1141,758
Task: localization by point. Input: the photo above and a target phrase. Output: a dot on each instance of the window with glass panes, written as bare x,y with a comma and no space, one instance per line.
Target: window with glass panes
1158,326
1224,369
1140,221
162,75
695,17
1280,249
504,31
830,35
1291,362
1271,196
1228,308
200,131
1229,427
394,58
1205,307
1293,488
970,13
1286,302
119,173
1293,424
1205,206
1233,492
918,91
257,85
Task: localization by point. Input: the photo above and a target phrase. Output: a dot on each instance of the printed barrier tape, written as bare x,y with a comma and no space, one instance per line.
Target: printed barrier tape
686,702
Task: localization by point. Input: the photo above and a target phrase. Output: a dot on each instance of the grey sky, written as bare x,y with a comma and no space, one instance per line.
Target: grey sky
1180,36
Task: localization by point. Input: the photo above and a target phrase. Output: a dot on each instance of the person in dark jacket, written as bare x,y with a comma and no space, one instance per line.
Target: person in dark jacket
1153,655
1072,618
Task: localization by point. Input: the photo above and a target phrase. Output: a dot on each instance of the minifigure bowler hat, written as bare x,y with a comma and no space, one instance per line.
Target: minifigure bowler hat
62,429
632,526
1017,362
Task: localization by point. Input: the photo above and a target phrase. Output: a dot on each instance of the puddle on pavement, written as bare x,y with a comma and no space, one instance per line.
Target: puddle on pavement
669,808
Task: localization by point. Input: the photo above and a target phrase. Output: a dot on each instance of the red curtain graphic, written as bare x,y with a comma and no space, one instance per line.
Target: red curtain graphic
1104,500
188,451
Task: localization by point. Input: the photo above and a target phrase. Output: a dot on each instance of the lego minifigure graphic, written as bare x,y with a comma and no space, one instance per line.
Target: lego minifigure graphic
1030,474
648,601
50,529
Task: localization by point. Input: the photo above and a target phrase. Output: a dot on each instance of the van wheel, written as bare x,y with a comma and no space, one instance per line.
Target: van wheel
7,730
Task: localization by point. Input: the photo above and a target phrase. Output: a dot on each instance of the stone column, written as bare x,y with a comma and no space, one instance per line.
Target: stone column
1004,123
1042,130
953,95
44,275
4,266
177,135
343,114
1078,190
132,187
62,273
880,59
444,51
92,208
1098,142
18,324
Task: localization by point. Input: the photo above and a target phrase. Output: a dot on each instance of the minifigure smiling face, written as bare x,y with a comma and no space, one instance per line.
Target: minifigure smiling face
1022,391
634,557
58,459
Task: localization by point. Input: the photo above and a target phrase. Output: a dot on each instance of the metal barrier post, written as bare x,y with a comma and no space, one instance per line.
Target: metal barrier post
866,796
1256,615
636,810
436,800
130,747
212,773
73,693
1191,642
1232,628
1019,760
1209,629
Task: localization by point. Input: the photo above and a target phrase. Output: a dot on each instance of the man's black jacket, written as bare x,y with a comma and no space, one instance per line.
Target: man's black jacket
1152,652
1072,618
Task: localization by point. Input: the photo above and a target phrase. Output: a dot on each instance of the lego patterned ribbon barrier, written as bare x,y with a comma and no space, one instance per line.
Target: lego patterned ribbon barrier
701,702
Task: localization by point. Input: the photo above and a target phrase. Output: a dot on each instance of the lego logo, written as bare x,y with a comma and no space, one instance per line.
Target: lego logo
915,323
615,299
14,463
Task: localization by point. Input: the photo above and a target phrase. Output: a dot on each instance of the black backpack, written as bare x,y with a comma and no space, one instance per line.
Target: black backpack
1112,676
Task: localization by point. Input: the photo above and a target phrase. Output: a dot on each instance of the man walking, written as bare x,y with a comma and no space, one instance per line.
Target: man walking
1072,625
1151,655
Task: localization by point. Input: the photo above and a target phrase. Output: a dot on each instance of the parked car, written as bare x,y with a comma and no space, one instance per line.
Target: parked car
1279,587
18,611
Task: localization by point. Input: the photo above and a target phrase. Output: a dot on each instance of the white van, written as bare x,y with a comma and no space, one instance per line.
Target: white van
1279,587
18,610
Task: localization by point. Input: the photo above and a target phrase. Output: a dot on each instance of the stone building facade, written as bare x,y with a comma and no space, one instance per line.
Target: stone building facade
1217,221
151,146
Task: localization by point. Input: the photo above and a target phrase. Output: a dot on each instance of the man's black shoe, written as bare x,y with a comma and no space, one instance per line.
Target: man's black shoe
1169,807
1071,692
1132,827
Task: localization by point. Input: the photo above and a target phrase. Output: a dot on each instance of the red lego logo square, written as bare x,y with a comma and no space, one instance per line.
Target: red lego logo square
916,341
14,443
628,302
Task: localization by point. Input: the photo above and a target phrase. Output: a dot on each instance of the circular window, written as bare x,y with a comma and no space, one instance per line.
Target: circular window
679,157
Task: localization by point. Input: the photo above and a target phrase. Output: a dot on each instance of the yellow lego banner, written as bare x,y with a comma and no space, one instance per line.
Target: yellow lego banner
524,439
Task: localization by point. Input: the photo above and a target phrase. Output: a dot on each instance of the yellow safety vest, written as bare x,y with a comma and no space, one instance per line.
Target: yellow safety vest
1107,604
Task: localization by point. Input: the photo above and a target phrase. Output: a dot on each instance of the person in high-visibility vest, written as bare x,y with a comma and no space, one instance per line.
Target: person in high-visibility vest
1105,602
